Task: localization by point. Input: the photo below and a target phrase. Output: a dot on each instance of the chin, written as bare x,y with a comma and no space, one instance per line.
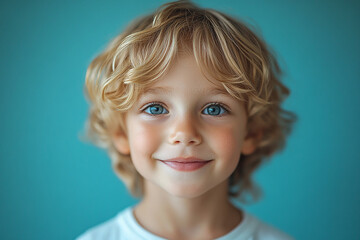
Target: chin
186,191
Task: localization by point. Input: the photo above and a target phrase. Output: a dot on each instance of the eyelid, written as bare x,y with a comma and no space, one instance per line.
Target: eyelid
226,108
142,109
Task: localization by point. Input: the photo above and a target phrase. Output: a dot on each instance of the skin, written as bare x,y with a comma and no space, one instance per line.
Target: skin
186,204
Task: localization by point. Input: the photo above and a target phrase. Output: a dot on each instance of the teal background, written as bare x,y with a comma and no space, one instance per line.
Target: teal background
54,186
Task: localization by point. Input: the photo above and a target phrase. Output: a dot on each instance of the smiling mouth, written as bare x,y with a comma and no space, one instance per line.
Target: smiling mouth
186,165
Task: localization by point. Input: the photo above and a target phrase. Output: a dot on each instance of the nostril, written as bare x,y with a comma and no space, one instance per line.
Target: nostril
187,142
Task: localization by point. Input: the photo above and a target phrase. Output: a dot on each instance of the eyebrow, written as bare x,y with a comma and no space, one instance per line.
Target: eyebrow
168,90
155,90
218,91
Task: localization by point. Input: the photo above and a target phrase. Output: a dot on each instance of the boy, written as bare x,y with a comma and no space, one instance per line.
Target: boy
187,103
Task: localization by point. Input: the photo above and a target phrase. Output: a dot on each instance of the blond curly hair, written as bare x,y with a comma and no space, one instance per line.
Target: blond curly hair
224,48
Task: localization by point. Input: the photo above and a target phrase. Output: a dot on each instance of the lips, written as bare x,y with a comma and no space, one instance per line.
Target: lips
186,164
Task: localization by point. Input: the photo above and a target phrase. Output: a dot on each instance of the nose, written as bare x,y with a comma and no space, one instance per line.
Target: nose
184,131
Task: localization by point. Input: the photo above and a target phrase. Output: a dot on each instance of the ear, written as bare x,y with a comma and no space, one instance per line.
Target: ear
251,142
121,143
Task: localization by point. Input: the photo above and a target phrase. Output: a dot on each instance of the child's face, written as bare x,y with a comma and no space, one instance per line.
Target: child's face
184,135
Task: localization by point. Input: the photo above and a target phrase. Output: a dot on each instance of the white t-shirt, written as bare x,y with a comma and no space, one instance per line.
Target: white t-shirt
125,227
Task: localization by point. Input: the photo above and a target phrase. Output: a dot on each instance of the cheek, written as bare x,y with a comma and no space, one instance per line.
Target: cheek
226,143
144,140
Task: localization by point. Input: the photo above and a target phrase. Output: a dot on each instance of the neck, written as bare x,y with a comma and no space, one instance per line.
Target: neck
165,215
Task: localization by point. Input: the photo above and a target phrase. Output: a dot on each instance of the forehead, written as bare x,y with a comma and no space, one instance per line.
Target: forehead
185,75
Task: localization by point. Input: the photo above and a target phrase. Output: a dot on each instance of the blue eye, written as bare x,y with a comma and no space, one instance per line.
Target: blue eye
155,109
214,110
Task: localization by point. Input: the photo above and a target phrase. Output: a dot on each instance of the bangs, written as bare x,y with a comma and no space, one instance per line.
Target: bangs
146,54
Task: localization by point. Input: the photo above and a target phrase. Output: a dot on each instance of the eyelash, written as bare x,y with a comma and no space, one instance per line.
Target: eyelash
225,108
150,105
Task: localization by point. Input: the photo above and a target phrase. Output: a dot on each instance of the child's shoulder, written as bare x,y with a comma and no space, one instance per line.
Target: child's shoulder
260,230
111,229
124,226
